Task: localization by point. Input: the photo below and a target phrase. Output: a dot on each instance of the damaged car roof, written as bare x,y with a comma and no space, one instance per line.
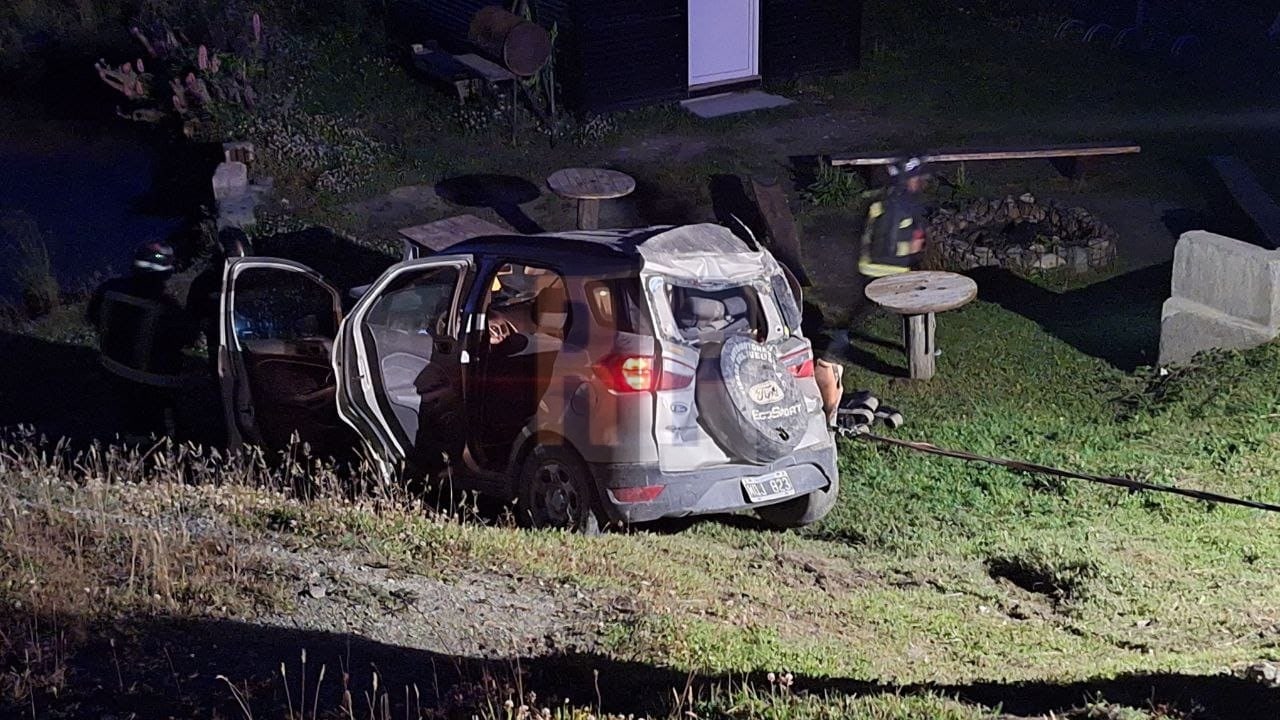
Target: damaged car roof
699,251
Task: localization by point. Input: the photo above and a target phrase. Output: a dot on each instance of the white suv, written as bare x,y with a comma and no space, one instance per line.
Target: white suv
591,377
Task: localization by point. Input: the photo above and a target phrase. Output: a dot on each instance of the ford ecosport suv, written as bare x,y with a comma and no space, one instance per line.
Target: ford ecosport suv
592,377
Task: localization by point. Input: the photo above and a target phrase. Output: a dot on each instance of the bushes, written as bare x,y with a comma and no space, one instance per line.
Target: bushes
833,187
32,269
331,153
188,81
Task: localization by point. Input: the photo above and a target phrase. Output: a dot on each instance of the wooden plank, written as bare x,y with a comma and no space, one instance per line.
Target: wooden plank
977,154
486,69
441,65
588,214
1250,195
865,160
784,236
1056,151
442,234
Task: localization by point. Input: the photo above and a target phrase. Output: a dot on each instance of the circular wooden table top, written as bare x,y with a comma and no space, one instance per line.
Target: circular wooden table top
590,183
921,292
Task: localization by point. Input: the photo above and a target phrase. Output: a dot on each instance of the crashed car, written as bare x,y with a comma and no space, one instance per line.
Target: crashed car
601,377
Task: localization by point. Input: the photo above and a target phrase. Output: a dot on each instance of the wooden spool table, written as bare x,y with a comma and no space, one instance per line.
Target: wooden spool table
916,296
589,186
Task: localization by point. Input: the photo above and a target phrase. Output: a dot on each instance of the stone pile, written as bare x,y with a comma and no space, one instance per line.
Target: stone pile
1020,233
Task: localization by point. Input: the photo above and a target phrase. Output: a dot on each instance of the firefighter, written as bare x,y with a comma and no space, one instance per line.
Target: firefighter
142,332
892,242
894,236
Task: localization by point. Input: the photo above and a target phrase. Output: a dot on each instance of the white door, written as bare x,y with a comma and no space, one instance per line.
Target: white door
724,40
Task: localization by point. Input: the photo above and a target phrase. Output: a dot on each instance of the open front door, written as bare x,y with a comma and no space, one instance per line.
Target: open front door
279,320
398,363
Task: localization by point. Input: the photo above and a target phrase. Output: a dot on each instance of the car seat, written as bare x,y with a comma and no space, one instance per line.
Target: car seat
737,316
701,319
551,311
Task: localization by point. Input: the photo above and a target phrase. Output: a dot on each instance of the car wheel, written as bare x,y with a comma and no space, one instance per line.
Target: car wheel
556,490
801,511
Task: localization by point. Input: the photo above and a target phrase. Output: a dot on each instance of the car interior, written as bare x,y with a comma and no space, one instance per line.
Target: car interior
531,306
404,324
285,324
705,316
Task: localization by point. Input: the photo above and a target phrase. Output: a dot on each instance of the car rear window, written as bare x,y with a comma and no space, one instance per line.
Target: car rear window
701,312
616,304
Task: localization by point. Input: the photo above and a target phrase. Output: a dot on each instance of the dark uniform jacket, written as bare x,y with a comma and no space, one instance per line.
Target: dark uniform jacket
893,224
142,328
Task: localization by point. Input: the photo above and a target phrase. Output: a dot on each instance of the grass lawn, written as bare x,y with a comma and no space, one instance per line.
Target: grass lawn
935,589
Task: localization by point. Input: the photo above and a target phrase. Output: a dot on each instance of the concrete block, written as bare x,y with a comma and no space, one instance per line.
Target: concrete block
230,179
1228,275
1187,328
1079,259
237,211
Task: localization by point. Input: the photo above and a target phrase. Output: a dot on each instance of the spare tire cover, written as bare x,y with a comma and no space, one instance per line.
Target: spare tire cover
748,401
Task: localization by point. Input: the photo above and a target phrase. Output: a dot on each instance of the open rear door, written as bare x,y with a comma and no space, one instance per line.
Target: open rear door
279,321
399,364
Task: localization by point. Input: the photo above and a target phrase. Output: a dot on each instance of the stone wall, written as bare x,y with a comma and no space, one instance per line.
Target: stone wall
1045,236
1225,294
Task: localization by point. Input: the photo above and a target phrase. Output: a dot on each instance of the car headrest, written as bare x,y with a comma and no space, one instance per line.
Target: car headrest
735,307
701,311
551,308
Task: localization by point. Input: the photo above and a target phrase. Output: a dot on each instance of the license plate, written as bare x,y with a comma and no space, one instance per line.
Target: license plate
768,487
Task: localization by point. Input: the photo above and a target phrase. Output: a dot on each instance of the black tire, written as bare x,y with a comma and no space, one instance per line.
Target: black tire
749,402
801,511
555,490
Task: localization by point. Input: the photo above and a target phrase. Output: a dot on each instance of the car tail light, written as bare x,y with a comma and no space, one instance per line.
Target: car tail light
638,373
627,373
648,493
800,363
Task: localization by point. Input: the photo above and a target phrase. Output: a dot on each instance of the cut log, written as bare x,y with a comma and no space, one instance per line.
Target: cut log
919,330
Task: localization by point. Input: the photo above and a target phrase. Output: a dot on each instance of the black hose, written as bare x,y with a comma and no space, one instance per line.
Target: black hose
1022,466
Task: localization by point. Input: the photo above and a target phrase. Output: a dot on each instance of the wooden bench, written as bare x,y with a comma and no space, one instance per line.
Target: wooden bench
1249,194
438,236
1075,156
466,73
